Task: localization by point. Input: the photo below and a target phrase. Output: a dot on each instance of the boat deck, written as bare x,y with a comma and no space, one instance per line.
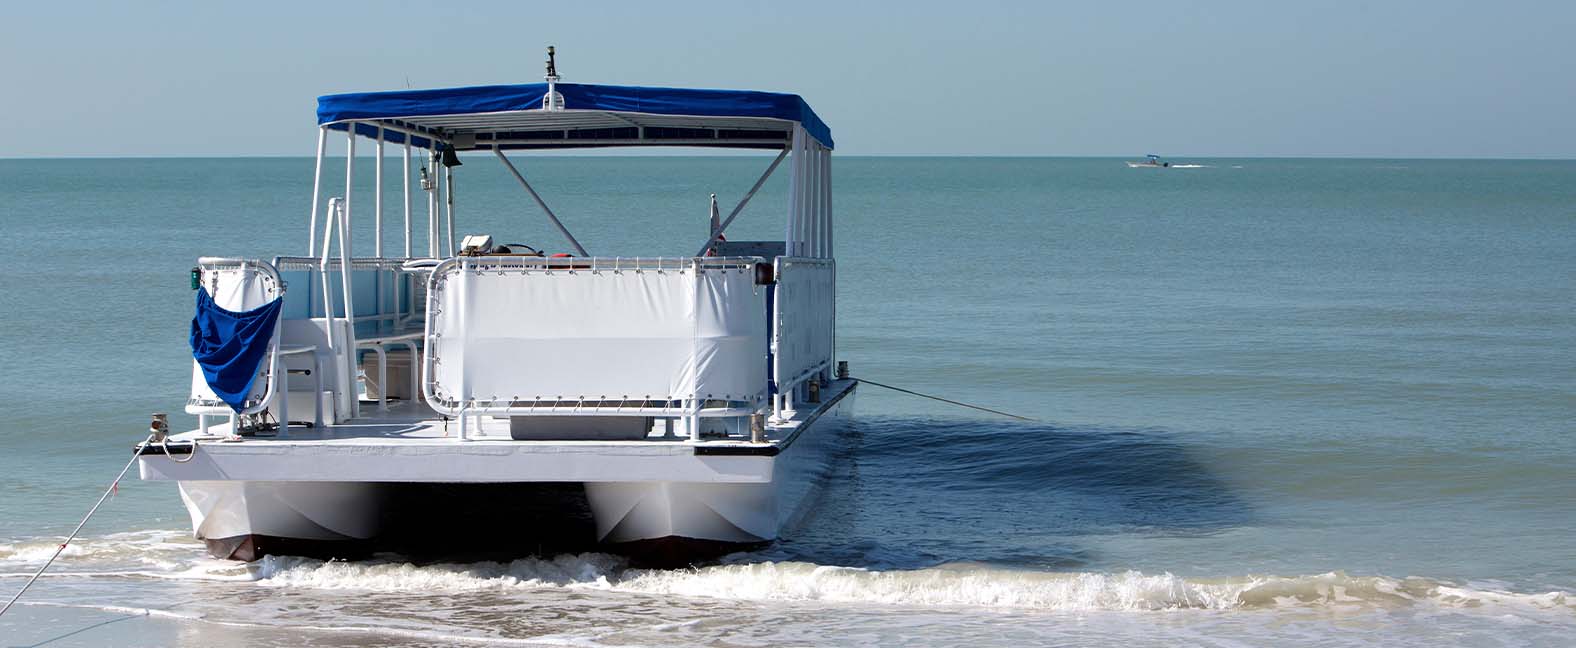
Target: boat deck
409,443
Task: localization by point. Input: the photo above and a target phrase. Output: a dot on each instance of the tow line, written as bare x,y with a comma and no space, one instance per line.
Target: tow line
868,381
157,434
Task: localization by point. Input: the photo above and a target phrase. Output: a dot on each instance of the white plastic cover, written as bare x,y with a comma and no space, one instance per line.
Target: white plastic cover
235,287
501,335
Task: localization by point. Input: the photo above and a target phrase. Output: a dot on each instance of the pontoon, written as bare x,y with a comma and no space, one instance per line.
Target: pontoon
687,398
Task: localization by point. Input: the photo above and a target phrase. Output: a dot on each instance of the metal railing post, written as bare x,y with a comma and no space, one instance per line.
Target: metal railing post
317,183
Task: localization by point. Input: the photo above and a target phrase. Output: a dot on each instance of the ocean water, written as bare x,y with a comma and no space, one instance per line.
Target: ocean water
1279,402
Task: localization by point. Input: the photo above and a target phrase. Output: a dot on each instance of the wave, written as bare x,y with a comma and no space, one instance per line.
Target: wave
162,554
131,544
171,555
954,585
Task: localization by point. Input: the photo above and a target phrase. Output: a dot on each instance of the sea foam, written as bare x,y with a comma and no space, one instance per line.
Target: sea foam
961,585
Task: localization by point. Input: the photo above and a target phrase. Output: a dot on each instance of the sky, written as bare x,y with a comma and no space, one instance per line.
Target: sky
975,77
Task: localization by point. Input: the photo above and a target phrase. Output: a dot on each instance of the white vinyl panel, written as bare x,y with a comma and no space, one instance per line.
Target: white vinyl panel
730,335
596,336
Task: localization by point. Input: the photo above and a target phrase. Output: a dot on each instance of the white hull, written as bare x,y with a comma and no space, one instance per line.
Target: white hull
741,513
247,519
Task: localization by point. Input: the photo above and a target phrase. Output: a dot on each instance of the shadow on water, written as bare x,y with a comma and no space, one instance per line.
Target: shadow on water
897,493
908,493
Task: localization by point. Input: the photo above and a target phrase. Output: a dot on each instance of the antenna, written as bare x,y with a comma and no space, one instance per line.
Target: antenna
552,101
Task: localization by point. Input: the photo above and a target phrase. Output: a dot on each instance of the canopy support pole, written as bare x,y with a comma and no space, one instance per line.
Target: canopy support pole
794,237
742,202
377,200
407,197
826,202
448,200
431,187
813,197
550,215
317,184
350,174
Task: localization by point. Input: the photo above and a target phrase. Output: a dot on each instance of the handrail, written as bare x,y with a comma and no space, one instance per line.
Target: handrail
597,264
362,263
336,217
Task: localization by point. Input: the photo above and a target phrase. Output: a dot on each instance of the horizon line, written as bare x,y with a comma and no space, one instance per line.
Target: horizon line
563,154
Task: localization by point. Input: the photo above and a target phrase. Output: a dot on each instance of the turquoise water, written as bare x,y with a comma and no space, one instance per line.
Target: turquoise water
1282,401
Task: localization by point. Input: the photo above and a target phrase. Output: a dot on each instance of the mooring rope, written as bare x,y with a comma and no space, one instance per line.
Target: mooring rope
112,486
946,400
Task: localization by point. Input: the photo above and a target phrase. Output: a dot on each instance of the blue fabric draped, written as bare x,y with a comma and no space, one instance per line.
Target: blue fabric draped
229,346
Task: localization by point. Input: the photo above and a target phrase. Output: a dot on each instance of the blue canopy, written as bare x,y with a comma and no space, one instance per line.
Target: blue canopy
511,116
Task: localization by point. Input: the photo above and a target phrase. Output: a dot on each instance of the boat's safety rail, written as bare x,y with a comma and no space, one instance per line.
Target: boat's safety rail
238,285
604,336
387,300
385,295
803,324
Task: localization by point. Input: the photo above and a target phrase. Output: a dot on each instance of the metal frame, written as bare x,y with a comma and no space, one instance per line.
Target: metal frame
545,209
808,227
338,215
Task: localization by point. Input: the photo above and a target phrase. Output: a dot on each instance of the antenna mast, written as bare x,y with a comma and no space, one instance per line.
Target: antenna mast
552,101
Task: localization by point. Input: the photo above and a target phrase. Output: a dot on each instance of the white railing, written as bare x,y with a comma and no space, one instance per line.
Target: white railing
528,335
802,343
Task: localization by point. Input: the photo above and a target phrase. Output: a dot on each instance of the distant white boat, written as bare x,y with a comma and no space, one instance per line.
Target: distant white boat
1150,162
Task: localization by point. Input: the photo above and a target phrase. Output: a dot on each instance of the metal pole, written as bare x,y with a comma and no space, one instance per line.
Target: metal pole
432,208
317,183
407,198
350,312
826,174
377,201
328,295
448,201
550,216
350,171
795,192
826,197
812,221
743,201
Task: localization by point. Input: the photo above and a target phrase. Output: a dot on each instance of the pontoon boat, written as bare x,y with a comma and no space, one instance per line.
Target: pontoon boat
686,398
